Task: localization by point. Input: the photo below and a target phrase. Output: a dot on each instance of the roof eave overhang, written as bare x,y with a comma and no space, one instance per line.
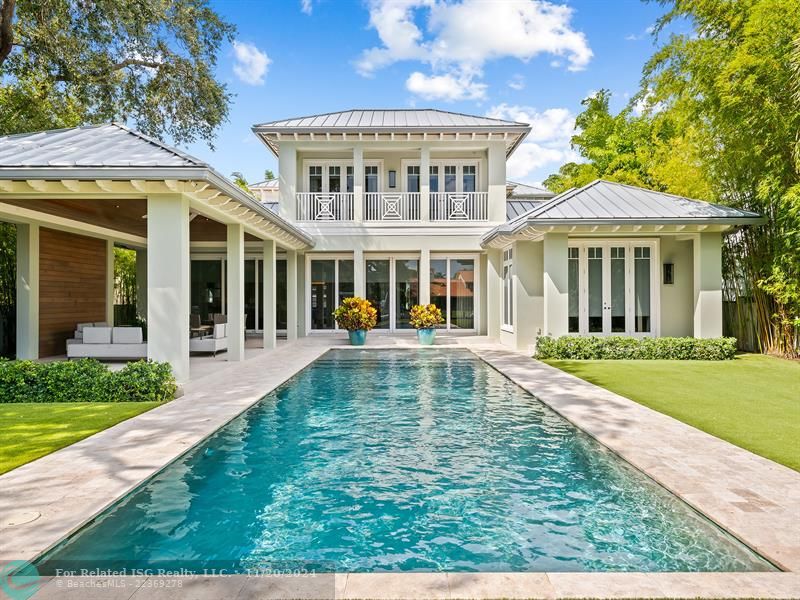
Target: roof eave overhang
299,239
535,229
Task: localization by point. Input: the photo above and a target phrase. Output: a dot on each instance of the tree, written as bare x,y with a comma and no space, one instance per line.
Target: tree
151,64
240,180
268,174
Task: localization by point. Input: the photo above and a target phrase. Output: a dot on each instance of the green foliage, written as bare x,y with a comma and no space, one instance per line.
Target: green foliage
356,313
84,380
425,316
147,63
124,276
268,174
630,348
240,180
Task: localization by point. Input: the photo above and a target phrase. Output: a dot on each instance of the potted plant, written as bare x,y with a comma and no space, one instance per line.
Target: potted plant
357,316
425,318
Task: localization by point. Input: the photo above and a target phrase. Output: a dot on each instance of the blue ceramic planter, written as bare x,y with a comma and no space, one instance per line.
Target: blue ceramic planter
427,336
357,337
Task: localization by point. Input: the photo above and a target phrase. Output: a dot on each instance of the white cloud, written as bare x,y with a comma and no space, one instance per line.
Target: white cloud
306,6
446,87
547,145
635,37
251,64
459,37
517,82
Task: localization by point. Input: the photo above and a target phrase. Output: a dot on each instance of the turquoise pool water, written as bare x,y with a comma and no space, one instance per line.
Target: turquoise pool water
423,460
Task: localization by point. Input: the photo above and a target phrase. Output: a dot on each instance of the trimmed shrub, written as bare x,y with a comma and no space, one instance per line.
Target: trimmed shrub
575,347
84,380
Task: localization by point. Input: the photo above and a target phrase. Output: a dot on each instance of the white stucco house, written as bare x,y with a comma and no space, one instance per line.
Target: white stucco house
399,206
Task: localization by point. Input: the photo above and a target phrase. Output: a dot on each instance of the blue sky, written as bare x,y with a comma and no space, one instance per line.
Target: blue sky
526,60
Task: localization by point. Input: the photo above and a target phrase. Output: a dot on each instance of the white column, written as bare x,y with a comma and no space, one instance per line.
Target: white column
27,292
268,293
497,181
425,184
556,299
141,284
358,184
494,292
287,173
425,276
707,250
359,273
291,295
235,304
168,273
110,282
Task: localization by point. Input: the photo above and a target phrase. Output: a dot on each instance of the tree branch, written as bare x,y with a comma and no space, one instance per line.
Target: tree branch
6,33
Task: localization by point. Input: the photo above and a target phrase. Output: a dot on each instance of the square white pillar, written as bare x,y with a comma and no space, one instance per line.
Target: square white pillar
425,184
268,293
235,289
358,184
287,173
359,273
27,291
425,276
494,292
707,249
291,295
497,181
110,282
141,284
556,299
168,273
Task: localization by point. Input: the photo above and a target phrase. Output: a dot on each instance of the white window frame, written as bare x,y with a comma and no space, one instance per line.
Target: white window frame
336,258
509,286
459,163
326,163
477,296
392,258
630,310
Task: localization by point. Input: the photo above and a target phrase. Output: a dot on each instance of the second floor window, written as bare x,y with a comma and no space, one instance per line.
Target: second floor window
450,178
370,178
334,179
468,178
349,180
434,179
315,178
412,182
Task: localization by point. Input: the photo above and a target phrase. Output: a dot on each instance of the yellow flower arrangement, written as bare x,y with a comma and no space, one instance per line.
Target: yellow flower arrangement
356,313
425,316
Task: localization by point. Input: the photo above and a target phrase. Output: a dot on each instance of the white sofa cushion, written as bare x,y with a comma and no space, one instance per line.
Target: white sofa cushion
97,335
220,331
107,351
126,335
81,326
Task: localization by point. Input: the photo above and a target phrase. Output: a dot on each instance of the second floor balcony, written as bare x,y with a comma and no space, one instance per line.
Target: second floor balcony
392,206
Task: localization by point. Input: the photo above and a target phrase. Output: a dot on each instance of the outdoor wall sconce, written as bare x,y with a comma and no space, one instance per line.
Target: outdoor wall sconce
392,179
669,273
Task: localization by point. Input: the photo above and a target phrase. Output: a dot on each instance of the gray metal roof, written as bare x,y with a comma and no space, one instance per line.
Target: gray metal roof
515,208
273,206
393,119
267,184
524,190
109,145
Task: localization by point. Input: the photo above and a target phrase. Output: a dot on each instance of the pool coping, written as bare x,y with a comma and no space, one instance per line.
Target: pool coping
754,499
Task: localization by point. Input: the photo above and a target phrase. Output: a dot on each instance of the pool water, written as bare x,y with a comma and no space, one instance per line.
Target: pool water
406,460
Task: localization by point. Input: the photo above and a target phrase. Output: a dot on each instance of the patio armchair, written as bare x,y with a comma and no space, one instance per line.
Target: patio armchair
216,341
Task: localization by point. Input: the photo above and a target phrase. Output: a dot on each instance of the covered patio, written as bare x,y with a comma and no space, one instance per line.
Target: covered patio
75,194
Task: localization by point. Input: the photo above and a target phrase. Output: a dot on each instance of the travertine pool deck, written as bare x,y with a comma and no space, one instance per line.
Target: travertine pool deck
755,499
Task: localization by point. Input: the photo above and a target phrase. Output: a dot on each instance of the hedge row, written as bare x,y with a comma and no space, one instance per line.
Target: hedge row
618,348
85,380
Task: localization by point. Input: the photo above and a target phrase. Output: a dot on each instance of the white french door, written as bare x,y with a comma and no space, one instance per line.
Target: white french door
612,287
392,285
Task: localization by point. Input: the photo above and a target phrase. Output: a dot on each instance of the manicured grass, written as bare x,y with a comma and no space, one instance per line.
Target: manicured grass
31,430
752,401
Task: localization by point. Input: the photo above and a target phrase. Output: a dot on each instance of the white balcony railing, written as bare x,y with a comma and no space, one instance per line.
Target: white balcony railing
462,206
391,206
319,206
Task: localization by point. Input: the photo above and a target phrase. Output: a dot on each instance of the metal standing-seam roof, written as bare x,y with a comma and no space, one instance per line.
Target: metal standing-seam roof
390,119
115,152
519,191
608,203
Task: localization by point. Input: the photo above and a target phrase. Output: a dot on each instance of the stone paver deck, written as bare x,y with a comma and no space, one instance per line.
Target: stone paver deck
755,499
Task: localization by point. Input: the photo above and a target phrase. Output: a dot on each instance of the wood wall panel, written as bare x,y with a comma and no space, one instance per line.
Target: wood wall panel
72,286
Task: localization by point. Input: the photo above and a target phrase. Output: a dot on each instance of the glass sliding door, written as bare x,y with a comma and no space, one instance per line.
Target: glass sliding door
573,290
642,271
280,294
462,294
406,291
323,293
346,280
379,289
206,288
616,304
595,291
439,285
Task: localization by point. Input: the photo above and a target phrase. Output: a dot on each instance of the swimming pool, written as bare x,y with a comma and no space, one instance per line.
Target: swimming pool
404,460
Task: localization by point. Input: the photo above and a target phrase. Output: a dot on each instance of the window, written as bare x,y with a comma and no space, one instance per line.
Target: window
412,179
434,179
371,178
450,178
573,290
452,289
468,178
315,178
508,288
334,179
349,180
641,295
331,281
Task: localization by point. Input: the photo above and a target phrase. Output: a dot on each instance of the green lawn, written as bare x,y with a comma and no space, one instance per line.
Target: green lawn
31,430
752,401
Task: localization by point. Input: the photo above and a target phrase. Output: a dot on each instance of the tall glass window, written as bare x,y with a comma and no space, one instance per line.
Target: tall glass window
450,178
641,277
280,294
350,180
617,282
251,294
573,290
334,179
206,288
508,288
439,285
323,293
595,281
412,179
469,177
379,290
346,280
406,292
315,178
462,293
434,179
371,178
